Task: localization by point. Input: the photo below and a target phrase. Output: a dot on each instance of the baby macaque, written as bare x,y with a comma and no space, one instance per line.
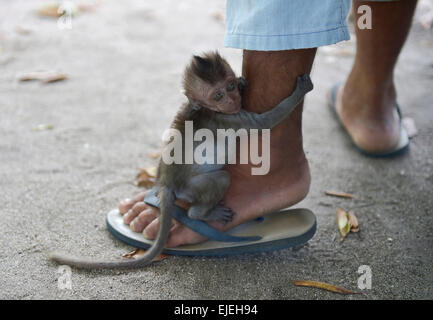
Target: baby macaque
214,94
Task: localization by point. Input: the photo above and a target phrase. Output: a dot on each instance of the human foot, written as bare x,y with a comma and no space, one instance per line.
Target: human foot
366,104
265,194
369,114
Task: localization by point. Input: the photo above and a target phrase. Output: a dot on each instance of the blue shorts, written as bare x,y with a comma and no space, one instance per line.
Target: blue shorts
285,24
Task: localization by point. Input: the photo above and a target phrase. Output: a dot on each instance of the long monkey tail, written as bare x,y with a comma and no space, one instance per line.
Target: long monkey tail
166,200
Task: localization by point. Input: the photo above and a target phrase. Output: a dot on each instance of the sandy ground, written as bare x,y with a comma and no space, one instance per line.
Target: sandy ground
124,63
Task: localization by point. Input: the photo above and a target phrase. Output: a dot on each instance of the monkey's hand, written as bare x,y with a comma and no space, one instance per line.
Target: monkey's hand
304,83
242,84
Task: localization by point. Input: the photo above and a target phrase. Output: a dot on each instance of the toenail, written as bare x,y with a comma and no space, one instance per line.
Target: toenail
132,225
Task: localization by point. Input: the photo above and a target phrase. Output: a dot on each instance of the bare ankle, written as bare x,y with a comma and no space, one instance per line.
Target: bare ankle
368,111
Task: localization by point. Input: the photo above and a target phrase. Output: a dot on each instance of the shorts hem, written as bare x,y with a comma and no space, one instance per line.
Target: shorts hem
287,42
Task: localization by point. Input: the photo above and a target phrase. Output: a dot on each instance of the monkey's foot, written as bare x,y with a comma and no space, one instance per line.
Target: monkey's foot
221,214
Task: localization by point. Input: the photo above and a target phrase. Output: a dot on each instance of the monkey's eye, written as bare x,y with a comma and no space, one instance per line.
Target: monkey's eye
218,96
231,86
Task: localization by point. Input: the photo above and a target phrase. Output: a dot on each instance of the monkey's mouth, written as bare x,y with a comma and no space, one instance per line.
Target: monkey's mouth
233,111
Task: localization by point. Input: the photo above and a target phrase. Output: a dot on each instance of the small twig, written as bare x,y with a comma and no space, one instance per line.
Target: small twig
339,194
324,286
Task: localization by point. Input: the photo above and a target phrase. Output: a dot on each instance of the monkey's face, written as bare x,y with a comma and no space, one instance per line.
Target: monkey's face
223,96
210,82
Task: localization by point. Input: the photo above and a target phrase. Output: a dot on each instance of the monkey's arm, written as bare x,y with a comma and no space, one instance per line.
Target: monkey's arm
269,119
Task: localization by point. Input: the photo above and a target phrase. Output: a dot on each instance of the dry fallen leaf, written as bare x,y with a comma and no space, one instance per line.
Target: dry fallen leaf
219,16
43,126
323,285
44,76
55,10
353,221
347,222
147,172
23,30
55,77
145,183
88,7
151,171
146,177
426,43
137,253
154,155
339,194
426,20
343,223
50,10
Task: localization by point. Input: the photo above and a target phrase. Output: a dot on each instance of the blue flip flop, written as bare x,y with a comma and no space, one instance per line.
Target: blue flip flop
401,147
275,231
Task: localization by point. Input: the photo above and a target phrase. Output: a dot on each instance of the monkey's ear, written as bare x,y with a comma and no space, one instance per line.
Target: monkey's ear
201,62
242,83
193,105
